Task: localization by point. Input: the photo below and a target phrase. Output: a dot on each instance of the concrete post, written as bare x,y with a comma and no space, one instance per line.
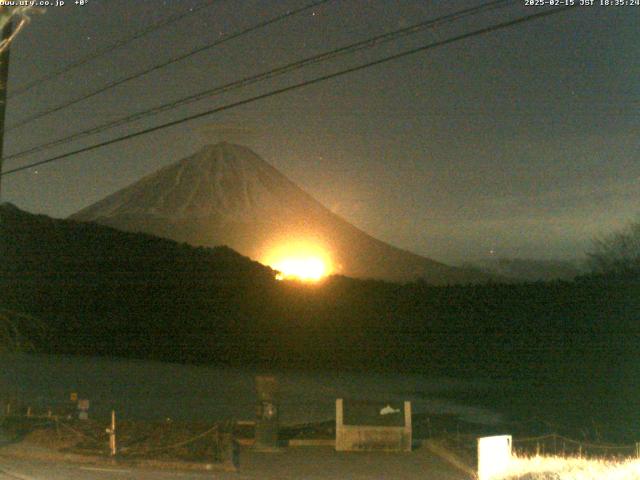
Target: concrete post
267,414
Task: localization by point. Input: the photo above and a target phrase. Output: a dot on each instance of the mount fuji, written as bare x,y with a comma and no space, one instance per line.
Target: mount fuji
226,194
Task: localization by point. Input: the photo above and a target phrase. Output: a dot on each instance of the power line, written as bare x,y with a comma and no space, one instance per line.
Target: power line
297,86
267,75
110,48
171,61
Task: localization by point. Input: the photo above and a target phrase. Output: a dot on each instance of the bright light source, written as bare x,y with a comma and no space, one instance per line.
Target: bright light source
300,260
306,269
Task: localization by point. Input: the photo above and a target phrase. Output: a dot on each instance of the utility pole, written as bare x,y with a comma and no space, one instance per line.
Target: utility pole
4,77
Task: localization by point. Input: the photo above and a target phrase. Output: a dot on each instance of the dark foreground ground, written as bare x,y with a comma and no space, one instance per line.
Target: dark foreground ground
291,463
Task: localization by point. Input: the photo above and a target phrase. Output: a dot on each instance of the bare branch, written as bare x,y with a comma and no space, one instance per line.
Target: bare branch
618,252
19,331
7,14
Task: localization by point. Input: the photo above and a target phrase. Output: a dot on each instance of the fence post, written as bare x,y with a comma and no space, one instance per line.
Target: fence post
112,434
637,449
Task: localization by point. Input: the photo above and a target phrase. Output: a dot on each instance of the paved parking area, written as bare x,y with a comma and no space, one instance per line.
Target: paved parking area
309,463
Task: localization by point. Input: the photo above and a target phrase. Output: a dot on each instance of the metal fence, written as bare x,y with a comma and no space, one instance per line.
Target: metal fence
559,445
63,428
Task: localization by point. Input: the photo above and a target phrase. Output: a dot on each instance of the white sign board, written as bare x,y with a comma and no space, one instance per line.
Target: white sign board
494,456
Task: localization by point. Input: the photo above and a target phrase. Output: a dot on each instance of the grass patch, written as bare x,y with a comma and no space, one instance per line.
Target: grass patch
571,468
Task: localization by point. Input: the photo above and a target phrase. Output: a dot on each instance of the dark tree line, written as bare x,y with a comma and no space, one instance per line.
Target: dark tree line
617,253
101,291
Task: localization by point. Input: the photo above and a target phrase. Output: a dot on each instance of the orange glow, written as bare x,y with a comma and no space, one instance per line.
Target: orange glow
299,261
306,269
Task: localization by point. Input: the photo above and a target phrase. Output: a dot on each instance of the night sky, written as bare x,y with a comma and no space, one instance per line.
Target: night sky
520,143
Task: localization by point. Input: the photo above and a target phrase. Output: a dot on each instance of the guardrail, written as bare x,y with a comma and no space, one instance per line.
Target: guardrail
126,439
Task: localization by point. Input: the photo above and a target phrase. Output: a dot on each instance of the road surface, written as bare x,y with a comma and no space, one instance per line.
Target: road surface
309,463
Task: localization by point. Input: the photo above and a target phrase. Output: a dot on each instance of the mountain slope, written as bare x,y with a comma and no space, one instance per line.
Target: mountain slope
528,270
227,195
